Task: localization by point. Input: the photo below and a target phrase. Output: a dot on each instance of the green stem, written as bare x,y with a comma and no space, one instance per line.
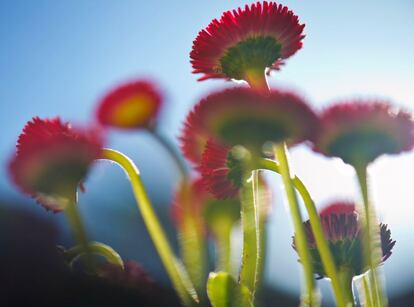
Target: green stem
172,151
300,235
372,252
79,231
366,291
249,218
193,251
223,239
317,230
257,80
95,248
346,276
175,270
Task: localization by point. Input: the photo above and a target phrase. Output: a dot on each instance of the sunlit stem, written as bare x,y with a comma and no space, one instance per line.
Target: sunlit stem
300,235
175,270
346,276
257,79
79,231
251,236
172,151
366,291
259,199
317,230
371,239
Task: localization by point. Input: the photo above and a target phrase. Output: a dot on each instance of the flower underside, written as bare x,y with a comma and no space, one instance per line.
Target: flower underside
356,147
60,177
251,54
235,173
250,131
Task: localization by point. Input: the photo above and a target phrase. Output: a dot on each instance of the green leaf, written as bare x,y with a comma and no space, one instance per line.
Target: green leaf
224,291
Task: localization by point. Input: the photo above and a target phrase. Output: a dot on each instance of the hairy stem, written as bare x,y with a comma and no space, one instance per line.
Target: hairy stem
317,230
300,235
371,239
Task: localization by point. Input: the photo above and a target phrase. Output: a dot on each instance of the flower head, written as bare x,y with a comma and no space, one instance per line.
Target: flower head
52,159
222,173
132,105
246,41
360,131
342,230
243,116
193,139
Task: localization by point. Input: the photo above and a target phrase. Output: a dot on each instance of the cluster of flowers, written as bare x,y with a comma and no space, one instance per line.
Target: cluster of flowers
224,137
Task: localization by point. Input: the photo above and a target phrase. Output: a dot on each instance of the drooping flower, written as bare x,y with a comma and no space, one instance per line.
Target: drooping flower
243,116
132,105
342,229
244,42
52,159
360,131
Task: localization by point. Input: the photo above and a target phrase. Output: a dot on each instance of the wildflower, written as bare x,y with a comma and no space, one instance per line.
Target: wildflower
244,42
52,159
132,105
342,229
250,118
221,171
360,131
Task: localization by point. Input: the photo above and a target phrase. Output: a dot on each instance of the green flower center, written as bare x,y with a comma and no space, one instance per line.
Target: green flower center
356,147
235,170
252,54
252,132
60,177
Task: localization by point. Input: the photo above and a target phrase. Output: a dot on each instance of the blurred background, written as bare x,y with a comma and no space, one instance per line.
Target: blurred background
60,57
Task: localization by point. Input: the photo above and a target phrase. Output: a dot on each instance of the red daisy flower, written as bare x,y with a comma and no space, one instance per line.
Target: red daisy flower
221,172
52,159
132,105
245,42
360,131
222,175
243,116
193,140
342,229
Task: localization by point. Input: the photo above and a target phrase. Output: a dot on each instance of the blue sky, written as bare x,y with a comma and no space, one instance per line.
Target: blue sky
59,57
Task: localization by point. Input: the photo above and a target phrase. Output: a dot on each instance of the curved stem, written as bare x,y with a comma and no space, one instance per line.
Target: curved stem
317,230
172,150
370,238
176,272
96,248
300,235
